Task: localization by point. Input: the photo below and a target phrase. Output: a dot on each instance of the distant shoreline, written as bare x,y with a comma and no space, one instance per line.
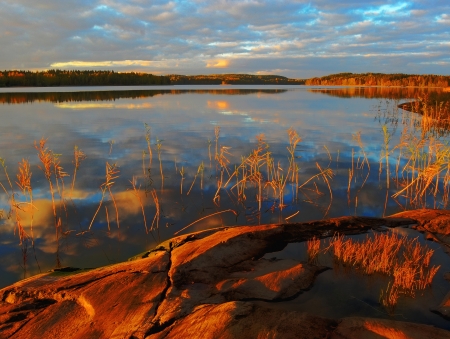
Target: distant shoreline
62,78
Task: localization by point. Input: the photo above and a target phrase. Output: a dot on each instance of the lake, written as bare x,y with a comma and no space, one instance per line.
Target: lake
154,160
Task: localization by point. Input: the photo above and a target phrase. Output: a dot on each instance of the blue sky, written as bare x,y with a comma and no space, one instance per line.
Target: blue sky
298,39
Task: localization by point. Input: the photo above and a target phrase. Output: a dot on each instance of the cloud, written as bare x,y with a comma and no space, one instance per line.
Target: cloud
197,37
218,64
443,19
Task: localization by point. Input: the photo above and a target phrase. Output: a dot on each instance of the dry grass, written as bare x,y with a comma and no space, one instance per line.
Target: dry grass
50,166
406,261
112,172
78,156
158,149
149,147
155,223
313,249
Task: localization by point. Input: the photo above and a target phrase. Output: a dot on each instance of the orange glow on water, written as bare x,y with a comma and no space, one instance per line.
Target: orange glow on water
218,104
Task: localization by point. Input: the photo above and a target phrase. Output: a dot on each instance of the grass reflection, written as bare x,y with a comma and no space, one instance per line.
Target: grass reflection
267,183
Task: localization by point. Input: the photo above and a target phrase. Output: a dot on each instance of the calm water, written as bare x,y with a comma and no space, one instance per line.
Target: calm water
186,124
342,292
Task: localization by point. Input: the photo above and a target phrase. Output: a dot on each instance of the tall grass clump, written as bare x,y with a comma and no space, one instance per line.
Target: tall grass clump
24,183
50,167
405,261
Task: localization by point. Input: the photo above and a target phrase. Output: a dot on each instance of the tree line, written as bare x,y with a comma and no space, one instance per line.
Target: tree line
233,79
381,79
54,78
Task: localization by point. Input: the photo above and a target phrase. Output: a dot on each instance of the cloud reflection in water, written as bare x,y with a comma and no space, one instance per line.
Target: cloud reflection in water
184,123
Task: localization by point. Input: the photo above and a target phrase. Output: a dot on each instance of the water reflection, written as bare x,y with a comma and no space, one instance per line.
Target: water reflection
111,95
168,140
346,292
377,92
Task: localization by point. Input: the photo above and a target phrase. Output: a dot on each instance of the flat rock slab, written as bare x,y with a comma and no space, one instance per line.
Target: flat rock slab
199,285
239,319
114,301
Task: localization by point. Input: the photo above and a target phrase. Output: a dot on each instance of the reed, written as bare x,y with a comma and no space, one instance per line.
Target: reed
155,222
385,152
137,194
49,165
222,164
158,149
24,183
16,207
313,249
203,218
182,179
406,261
217,135
200,171
78,156
260,183
60,174
294,139
112,172
362,166
111,143
149,147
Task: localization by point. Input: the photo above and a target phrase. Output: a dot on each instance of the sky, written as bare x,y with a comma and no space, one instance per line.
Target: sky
297,38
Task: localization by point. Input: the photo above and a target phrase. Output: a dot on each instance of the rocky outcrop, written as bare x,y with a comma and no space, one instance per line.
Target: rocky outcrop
211,284
103,303
238,319
429,220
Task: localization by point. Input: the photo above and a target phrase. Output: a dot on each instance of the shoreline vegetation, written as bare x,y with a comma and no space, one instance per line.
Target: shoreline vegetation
58,78
381,79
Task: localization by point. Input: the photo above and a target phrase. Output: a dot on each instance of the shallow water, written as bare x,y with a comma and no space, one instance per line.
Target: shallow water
339,292
108,125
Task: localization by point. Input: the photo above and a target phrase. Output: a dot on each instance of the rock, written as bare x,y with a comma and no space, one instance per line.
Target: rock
369,328
431,220
200,285
434,223
113,301
225,266
237,319
269,280
444,308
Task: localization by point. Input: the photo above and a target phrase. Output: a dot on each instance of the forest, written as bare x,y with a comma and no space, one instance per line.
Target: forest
380,79
54,78
233,79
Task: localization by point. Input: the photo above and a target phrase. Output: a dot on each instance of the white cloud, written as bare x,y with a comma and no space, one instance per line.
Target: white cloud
443,19
198,36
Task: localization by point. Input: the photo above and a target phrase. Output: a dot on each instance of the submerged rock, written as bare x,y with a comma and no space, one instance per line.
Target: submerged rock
210,284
